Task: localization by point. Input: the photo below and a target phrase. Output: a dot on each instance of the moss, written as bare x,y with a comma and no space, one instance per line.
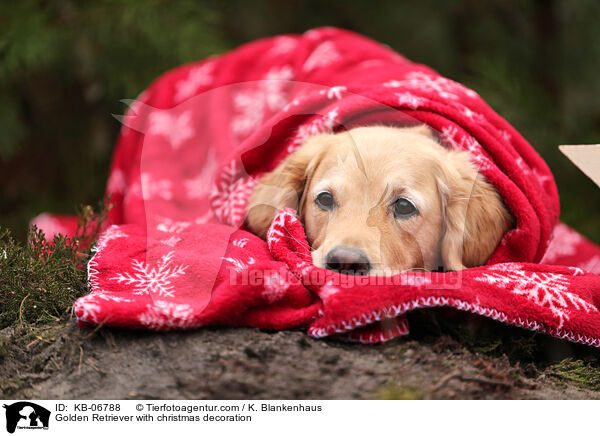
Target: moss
394,392
578,372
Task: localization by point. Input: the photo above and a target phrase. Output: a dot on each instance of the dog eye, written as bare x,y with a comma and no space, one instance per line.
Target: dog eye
325,200
404,208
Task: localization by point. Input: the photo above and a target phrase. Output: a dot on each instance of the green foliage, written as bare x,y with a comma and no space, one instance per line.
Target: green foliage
582,374
40,279
64,67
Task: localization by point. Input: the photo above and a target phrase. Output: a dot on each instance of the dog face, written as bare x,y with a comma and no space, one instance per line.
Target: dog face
381,200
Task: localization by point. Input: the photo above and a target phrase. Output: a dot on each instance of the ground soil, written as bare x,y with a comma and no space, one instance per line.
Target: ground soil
248,363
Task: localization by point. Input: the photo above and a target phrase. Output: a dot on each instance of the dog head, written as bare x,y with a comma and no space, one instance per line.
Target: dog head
380,200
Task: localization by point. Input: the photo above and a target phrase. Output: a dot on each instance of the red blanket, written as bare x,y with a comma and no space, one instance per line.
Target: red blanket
195,143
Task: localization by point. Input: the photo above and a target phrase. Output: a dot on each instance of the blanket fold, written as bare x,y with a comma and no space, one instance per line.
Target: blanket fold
195,144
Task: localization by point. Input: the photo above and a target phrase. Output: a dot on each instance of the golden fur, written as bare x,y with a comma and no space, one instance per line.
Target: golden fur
460,221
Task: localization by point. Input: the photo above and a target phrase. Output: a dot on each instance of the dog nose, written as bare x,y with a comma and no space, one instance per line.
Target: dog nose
347,260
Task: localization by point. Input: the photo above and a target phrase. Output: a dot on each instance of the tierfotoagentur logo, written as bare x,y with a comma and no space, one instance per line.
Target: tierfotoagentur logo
26,415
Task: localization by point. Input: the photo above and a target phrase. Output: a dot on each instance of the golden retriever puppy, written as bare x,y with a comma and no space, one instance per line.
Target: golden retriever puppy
382,200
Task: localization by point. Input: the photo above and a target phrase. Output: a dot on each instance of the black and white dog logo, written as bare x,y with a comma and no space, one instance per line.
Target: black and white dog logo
26,415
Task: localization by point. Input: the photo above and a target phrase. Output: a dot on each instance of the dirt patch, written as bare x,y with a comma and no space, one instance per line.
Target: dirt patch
67,362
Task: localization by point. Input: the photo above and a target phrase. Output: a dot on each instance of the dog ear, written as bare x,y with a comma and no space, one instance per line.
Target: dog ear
283,187
475,217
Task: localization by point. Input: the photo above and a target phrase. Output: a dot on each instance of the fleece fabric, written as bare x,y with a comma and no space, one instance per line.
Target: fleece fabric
176,253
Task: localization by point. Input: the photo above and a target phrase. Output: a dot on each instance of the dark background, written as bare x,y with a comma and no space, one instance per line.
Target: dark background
65,64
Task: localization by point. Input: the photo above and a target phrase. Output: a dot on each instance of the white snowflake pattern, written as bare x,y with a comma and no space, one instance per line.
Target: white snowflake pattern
323,55
471,145
164,315
228,175
520,162
505,135
113,232
444,88
563,242
277,230
275,286
320,124
507,266
150,188
471,114
576,270
270,93
230,193
547,290
412,279
291,104
199,76
156,279
450,135
169,225
304,267
409,100
171,242
542,178
328,290
199,186
335,92
233,210
176,128
110,297
241,242
274,86
250,108
238,264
